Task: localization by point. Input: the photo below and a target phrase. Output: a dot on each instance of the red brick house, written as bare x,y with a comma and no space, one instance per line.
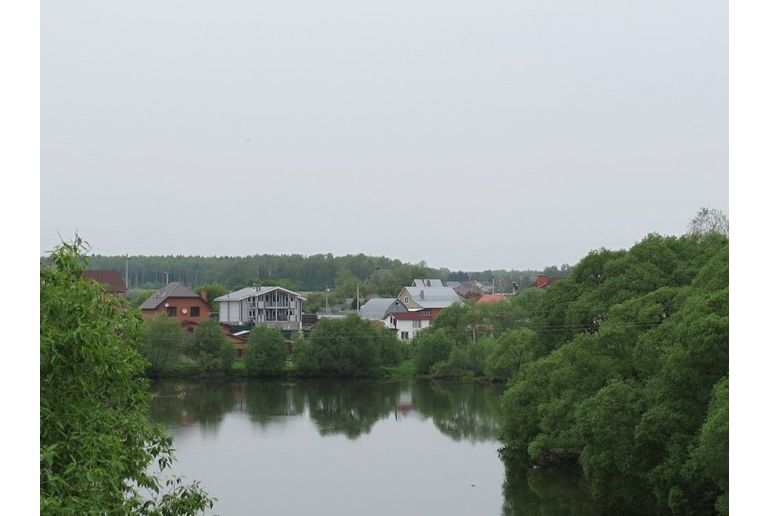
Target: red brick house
176,300
109,278
542,281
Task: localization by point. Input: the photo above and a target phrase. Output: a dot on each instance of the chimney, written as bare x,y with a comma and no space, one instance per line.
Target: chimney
422,294
205,294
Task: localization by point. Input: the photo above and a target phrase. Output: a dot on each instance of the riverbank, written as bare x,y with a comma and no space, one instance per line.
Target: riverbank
405,370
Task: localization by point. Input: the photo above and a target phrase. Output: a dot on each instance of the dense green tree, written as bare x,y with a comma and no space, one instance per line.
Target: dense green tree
392,350
609,457
712,446
621,370
210,349
266,352
454,320
304,356
161,343
96,441
341,347
509,352
432,348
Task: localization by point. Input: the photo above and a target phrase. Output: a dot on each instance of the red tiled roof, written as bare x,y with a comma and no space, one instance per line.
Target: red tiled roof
111,278
491,298
542,281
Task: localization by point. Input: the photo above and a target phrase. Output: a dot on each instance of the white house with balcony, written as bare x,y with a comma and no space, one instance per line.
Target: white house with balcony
407,325
275,307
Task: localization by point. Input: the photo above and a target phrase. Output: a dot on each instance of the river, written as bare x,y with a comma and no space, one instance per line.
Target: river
355,447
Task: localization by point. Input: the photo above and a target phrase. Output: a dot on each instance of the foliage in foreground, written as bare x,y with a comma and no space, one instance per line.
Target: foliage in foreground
96,441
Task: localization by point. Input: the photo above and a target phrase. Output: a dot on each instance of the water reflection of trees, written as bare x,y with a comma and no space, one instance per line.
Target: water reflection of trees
462,411
182,404
267,401
543,492
349,407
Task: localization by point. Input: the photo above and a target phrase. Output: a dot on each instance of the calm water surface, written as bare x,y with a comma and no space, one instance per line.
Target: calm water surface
355,448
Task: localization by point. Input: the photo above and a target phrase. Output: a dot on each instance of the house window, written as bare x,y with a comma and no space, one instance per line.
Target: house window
416,324
171,311
404,335
251,313
195,311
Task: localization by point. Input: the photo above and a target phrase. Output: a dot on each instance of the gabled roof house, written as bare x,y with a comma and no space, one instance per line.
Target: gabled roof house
176,300
418,298
378,307
407,324
275,307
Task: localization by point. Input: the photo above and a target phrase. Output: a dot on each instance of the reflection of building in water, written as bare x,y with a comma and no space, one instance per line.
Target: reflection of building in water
240,395
290,407
187,419
404,404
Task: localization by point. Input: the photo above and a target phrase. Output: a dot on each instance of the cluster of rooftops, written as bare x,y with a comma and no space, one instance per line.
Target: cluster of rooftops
410,311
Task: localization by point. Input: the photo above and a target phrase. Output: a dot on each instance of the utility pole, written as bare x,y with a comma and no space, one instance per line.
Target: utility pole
327,300
126,270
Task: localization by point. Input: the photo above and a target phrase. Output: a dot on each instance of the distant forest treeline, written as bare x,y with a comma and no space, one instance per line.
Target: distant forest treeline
305,273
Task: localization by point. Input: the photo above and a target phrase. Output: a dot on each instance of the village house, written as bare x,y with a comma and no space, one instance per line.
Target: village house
378,307
418,305
178,301
407,324
420,296
275,307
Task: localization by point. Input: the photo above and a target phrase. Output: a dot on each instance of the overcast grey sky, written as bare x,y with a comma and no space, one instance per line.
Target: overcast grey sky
471,135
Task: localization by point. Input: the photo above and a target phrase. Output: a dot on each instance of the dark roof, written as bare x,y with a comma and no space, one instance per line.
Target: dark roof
467,288
108,277
173,289
376,308
416,315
